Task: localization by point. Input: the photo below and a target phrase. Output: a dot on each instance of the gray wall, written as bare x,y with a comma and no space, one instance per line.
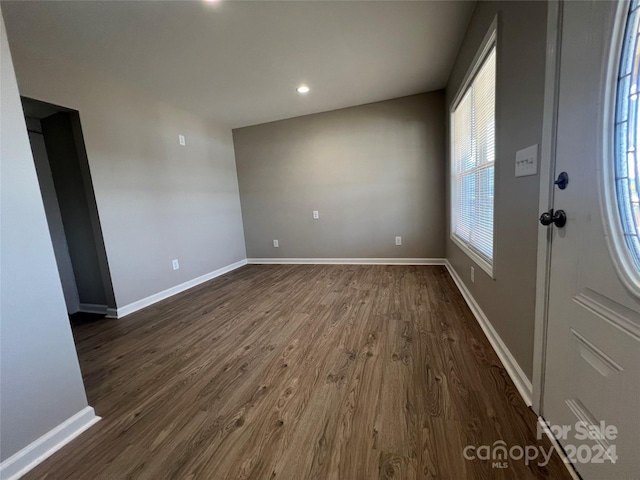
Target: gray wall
373,172
509,300
156,199
40,381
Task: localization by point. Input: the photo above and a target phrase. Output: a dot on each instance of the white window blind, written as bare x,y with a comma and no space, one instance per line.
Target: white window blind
473,161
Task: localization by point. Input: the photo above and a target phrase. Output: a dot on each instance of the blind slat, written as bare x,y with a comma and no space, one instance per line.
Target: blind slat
473,159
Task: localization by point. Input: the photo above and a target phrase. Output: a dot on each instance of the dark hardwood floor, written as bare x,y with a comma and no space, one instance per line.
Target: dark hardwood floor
298,372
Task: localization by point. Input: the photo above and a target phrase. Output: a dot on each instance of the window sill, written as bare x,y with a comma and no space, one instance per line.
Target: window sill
477,259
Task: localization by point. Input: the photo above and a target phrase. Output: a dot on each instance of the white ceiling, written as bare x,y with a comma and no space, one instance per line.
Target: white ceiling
239,62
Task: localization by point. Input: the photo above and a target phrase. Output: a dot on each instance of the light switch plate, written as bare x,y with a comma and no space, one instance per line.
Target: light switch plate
527,161
182,140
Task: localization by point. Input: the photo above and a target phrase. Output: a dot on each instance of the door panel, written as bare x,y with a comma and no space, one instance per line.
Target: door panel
592,370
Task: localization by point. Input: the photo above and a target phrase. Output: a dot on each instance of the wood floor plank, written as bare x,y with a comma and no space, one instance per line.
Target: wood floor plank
298,372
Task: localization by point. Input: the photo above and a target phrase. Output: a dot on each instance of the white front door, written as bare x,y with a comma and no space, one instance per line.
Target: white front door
592,367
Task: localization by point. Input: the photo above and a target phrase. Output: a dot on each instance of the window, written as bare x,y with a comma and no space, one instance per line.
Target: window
473,160
626,133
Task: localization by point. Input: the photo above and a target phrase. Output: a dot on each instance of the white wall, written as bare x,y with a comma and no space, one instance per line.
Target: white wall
157,201
40,381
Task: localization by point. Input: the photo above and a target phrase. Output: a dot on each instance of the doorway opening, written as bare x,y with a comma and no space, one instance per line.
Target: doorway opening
70,206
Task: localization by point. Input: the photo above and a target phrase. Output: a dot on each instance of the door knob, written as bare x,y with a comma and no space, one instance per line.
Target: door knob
558,218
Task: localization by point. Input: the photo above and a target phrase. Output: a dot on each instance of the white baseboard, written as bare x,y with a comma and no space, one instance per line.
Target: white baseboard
93,308
26,459
150,300
521,381
99,309
561,453
346,261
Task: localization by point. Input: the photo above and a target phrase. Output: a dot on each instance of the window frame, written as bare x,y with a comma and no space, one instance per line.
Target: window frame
619,252
489,43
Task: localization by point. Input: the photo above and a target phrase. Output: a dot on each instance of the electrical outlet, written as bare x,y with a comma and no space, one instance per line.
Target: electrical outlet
473,275
316,215
182,140
176,264
398,240
275,244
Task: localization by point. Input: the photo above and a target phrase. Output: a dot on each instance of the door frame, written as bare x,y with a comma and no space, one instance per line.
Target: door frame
546,197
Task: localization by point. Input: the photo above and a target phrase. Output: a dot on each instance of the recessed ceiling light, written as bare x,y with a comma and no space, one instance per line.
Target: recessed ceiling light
302,89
